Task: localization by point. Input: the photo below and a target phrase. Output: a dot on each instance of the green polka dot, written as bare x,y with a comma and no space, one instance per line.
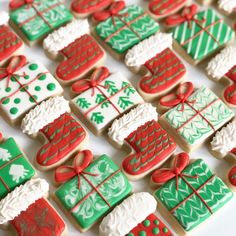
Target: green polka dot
146,223
33,67
24,89
33,100
165,230
130,234
37,88
26,76
13,78
8,89
17,100
42,77
155,231
51,86
156,222
5,100
142,233
13,110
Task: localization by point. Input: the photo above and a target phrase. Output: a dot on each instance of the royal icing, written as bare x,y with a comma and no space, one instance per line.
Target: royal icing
222,63
21,198
4,17
35,20
225,140
104,97
91,192
66,35
227,5
128,214
190,192
44,114
147,49
232,176
128,123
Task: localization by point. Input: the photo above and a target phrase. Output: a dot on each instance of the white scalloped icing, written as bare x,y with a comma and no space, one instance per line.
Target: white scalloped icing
225,139
64,36
227,5
4,17
21,198
122,127
128,214
44,114
147,49
222,63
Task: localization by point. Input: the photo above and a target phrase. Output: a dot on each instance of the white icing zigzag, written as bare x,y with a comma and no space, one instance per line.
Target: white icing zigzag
227,5
122,127
222,63
147,49
64,36
225,139
44,114
21,198
128,214
4,17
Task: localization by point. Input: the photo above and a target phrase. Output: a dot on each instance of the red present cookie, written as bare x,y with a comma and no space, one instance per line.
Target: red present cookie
78,50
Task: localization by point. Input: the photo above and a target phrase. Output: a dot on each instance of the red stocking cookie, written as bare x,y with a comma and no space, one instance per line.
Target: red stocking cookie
103,97
80,51
10,44
164,69
150,144
223,68
64,134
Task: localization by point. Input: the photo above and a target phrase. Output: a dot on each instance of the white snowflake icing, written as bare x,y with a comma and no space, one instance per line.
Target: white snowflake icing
18,172
4,155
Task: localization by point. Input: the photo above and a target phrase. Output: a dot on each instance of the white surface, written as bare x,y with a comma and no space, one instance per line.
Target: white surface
224,221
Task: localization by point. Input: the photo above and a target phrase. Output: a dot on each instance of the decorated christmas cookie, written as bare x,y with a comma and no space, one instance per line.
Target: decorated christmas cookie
103,97
78,50
121,27
189,193
10,44
90,189
231,178
223,68
30,214
198,34
64,135
83,8
23,85
34,19
223,144
162,8
150,144
15,169
164,70
227,6
193,115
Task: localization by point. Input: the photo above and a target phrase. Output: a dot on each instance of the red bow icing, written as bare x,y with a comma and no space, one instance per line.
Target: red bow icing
97,77
180,97
15,64
14,4
80,163
181,161
112,11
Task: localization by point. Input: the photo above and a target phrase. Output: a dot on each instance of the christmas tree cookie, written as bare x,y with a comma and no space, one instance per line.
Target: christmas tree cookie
193,115
189,193
15,169
63,134
28,211
227,6
197,35
78,51
103,97
10,44
150,144
90,188
223,68
34,19
163,8
162,68
223,144
85,8
121,27
24,85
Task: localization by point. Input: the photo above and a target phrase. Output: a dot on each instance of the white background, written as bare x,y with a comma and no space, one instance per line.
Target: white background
223,223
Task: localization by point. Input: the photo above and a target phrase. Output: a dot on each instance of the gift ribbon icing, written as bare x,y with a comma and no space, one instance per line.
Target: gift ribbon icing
181,96
164,175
